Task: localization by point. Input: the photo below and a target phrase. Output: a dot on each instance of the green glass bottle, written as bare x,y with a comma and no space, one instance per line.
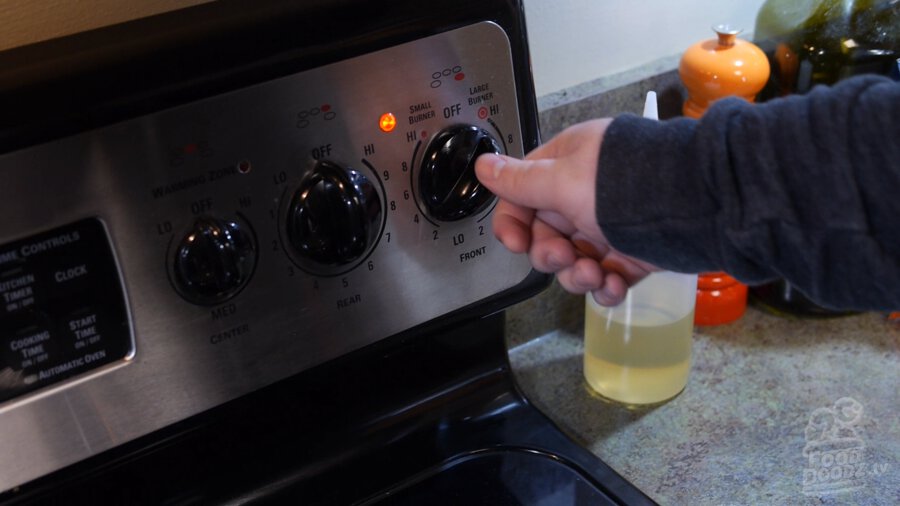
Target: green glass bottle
810,42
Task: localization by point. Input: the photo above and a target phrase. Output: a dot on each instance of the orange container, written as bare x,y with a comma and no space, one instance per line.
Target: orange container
710,70
722,67
720,299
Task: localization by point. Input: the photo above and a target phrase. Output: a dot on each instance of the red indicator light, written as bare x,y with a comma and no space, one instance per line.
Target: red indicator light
387,122
459,77
325,107
190,149
244,166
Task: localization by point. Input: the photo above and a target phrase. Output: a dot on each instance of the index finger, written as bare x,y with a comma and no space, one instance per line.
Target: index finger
512,226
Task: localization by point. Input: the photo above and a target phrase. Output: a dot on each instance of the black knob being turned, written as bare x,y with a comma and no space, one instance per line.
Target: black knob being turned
214,260
333,218
447,183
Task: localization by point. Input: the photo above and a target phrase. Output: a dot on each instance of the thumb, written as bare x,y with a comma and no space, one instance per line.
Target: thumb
526,183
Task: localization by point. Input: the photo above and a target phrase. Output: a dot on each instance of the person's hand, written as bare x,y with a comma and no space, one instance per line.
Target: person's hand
547,209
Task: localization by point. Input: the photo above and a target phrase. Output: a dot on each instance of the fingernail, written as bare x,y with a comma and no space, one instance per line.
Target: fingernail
554,262
495,163
598,297
609,296
581,284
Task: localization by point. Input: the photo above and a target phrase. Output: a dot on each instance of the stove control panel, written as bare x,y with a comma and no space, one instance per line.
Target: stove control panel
237,240
62,308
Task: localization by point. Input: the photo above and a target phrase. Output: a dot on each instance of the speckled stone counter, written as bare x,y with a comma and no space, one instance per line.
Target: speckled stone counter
776,411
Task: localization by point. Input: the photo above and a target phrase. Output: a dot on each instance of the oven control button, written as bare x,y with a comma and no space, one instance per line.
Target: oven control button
214,260
334,218
447,183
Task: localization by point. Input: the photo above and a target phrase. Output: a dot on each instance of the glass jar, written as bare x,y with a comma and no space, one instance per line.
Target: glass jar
823,41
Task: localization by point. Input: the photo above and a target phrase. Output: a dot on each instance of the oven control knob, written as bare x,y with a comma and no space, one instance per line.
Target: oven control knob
447,183
334,218
214,260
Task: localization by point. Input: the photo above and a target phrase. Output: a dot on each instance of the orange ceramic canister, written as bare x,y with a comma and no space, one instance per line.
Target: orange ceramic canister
722,67
712,69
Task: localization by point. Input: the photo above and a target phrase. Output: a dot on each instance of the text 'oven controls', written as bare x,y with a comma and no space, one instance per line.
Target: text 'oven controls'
447,183
214,260
334,218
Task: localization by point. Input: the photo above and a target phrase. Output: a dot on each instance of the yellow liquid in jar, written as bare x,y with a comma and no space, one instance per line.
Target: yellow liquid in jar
644,362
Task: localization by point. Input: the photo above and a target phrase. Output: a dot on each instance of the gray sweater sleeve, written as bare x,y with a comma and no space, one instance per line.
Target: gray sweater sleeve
806,188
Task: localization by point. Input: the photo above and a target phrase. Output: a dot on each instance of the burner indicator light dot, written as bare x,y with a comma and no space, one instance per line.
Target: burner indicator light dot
387,122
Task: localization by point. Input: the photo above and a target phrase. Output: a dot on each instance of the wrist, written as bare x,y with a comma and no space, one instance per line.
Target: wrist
652,202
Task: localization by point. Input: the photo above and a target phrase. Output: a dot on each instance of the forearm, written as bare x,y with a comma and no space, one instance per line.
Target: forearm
806,188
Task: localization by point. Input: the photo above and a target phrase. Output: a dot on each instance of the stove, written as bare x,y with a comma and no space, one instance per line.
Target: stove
246,260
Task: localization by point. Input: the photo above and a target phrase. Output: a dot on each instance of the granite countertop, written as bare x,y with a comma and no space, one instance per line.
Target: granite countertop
744,429
748,428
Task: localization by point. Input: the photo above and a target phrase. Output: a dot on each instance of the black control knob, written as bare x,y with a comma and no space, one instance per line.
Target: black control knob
447,183
214,260
334,218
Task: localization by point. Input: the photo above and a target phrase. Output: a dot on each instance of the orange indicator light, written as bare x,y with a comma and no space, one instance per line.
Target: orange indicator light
387,122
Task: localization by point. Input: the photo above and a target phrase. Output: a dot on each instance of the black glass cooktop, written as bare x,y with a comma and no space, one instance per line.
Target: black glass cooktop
501,476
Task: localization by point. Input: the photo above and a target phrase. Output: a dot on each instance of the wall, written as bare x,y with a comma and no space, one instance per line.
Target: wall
578,41
572,41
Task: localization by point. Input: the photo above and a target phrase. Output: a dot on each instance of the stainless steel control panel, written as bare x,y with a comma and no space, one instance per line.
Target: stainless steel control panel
264,231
